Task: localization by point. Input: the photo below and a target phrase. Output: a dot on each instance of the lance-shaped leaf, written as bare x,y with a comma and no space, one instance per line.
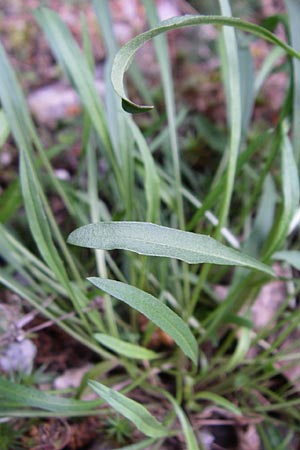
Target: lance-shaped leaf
14,397
125,348
130,409
155,240
155,310
126,53
218,400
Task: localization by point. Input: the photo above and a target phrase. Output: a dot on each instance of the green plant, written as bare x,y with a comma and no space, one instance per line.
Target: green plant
10,436
137,206
118,429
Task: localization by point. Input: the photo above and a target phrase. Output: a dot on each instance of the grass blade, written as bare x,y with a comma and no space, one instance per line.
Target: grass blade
290,193
10,201
78,71
231,70
218,400
191,442
37,219
130,409
155,240
190,438
155,310
68,54
115,116
124,348
4,128
152,182
246,83
264,219
24,134
162,54
40,229
125,55
293,9
35,301
20,396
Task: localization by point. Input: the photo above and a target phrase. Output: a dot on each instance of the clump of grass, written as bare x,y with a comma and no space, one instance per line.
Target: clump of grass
11,436
118,429
168,275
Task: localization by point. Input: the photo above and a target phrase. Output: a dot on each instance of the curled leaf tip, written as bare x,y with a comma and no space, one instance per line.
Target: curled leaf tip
133,108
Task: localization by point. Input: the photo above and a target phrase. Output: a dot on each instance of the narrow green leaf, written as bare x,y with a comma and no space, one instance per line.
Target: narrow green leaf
10,201
232,78
292,257
14,394
36,301
4,128
246,67
75,67
191,441
241,350
155,310
155,240
126,53
264,218
290,194
40,229
124,348
37,218
290,178
13,102
130,409
116,118
218,400
152,182
164,62
293,10
26,138
86,43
